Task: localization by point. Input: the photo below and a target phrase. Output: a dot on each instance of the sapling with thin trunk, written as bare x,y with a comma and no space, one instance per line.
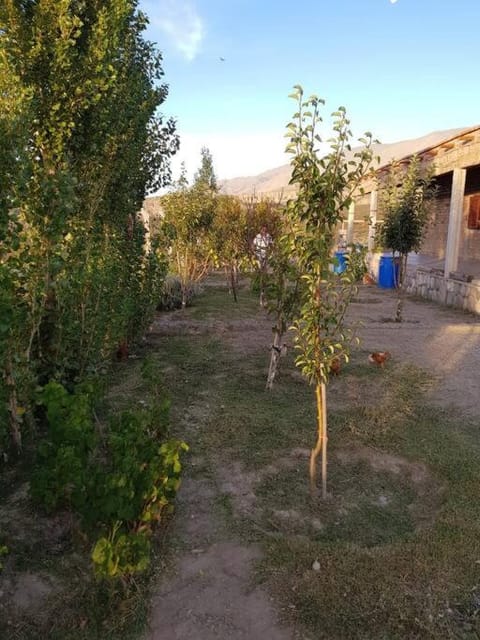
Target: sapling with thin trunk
325,185
283,298
405,200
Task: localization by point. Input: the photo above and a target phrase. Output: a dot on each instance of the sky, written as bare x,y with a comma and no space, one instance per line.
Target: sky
402,69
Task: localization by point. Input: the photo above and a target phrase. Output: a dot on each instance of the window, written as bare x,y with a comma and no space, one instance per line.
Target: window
474,212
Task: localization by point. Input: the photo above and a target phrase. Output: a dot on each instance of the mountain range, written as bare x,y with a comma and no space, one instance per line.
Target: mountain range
274,183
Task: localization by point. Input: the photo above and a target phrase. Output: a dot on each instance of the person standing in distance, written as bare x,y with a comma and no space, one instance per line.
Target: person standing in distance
261,246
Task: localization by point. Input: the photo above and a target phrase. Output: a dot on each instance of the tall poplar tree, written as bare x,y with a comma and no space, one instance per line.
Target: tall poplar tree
86,142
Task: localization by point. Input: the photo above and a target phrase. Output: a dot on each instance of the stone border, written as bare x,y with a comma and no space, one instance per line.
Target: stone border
432,285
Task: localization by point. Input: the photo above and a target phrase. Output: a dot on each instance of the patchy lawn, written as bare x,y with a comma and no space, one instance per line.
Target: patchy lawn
398,542
394,552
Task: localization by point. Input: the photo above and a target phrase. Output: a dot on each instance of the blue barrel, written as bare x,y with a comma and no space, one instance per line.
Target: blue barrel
388,272
341,262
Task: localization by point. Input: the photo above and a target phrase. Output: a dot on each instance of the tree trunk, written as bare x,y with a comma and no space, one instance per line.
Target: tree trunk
233,283
15,429
325,440
235,272
401,286
275,354
321,444
263,300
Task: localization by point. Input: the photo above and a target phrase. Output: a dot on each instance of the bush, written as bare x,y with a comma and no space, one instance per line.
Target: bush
171,297
120,485
63,456
357,261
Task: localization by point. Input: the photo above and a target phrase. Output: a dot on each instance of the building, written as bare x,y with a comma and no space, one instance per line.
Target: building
448,268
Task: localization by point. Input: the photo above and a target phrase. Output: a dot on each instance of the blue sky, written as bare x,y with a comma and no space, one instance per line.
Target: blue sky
402,69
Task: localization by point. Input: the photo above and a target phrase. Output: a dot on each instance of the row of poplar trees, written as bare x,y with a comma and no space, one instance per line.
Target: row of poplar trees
82,143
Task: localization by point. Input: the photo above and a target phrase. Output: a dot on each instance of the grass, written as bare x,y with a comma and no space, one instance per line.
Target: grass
398,551
398,558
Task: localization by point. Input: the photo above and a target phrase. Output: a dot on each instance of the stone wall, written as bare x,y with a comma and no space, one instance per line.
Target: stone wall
436,237
454,293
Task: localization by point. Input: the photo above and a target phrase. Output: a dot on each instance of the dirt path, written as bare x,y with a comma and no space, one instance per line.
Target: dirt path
210,593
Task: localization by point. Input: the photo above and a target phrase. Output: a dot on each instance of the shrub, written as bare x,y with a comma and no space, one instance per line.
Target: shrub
357,261
63,456
172,295
120,485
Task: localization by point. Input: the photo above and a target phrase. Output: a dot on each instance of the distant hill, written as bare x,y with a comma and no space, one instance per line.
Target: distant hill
274,182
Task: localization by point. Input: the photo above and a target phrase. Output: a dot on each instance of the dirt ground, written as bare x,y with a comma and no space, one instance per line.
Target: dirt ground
445,342
210,594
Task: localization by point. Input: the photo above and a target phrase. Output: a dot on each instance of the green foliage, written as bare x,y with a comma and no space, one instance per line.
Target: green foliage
405,199
82,143
120,480
62,471
325,188
326,185
357,261
229,236
205,176
187,220
284,285
138,490
120,554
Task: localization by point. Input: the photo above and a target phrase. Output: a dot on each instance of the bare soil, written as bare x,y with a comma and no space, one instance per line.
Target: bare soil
445,342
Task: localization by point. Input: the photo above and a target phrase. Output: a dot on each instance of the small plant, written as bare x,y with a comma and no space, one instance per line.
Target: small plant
120,554
357,261
3,552
283,293
172,295
63,456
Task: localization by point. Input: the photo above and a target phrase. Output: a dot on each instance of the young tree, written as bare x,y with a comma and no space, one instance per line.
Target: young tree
326,185
263,219
185,230
229,238
284,292
205,176
406,197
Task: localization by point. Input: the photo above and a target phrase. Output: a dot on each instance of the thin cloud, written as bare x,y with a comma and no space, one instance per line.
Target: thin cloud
181,23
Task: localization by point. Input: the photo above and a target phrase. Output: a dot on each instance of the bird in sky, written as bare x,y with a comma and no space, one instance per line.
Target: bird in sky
222,59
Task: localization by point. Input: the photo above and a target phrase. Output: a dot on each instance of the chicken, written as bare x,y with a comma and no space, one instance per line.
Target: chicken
379,358
335,366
